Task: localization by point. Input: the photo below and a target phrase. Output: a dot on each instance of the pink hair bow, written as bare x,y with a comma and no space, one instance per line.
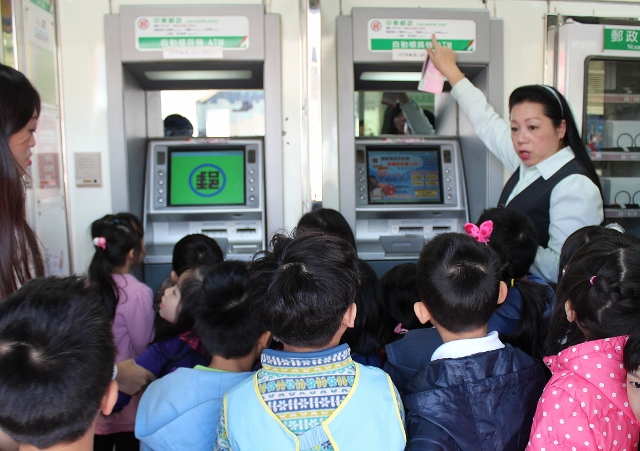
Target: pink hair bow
100,242
482,233
400,330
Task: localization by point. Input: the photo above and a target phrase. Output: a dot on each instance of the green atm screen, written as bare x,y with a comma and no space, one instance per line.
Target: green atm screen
206,177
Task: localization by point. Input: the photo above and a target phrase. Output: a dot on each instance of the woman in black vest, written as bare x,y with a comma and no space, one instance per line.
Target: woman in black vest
554,181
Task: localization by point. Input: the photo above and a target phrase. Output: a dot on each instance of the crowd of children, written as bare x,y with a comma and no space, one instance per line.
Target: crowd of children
305,348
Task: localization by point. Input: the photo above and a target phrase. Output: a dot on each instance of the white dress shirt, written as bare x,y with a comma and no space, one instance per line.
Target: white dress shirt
575,201
465,347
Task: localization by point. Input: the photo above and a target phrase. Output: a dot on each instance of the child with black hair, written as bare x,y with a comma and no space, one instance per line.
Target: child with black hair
473,375
632,366
329,221
400,293
519,319
312,394
369,334
119,246
180,410
178,348
56,364
194,251
582,236
585,404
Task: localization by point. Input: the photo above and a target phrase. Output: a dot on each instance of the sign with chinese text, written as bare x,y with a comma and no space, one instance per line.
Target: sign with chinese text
155,33
393,35
622,38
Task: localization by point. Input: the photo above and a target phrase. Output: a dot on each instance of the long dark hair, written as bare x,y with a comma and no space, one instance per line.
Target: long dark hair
122,232
602,283
515,240
18,244
556,108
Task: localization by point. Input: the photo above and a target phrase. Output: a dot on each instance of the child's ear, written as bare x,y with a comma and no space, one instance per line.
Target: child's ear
264,341
422,312
109,399
571,313
174,277
502,295
132,254
349,318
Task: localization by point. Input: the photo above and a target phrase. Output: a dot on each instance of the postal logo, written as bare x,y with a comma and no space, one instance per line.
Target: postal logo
143,23
376,25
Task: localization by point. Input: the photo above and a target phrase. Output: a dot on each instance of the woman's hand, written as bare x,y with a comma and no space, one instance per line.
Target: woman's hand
445,61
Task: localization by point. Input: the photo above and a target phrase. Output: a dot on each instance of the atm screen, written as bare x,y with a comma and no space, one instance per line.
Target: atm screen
206,176
404,176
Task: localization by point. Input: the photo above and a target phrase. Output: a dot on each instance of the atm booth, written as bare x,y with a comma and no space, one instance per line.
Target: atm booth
216,182
397,191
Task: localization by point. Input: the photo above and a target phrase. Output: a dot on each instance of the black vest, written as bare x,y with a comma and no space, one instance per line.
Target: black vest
535,200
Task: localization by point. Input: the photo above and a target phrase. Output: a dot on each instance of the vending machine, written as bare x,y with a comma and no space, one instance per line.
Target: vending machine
595,63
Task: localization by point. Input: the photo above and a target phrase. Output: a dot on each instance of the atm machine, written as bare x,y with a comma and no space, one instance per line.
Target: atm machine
399,191
215,185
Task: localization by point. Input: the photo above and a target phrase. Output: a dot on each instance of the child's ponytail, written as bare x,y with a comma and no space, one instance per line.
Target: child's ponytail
114,236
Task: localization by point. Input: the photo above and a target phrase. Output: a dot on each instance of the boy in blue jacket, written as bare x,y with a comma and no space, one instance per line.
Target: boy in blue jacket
311,395
180,410
476,393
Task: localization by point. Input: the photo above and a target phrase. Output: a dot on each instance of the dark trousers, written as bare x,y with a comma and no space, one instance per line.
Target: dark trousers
123,441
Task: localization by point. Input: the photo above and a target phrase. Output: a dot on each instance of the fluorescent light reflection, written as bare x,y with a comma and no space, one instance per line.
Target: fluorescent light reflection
390,76
190,75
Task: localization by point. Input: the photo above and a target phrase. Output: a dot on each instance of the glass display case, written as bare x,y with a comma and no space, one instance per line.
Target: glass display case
611,129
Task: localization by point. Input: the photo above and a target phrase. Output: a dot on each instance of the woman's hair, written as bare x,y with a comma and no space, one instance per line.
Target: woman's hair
121,232
556,108
388,125
18,244
400,293
369,333
582,236
515,240
602,285
329,221
189,288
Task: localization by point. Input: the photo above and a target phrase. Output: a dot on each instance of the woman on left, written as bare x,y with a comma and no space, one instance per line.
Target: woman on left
20,257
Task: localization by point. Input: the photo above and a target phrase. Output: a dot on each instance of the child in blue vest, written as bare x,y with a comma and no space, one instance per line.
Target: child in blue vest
310,395
476,393
180,410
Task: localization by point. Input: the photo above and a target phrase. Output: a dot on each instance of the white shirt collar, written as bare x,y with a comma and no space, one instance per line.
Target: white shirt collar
550,165
468,346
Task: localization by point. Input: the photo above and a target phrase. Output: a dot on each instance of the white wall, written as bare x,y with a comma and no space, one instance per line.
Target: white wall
82,48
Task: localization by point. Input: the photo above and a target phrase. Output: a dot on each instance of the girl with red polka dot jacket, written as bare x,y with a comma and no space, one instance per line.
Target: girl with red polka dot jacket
585,403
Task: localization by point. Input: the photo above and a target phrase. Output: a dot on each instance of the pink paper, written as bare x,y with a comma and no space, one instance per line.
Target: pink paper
432,79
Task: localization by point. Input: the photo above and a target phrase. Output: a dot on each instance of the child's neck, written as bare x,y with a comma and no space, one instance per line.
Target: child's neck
240,365
448,336
85,443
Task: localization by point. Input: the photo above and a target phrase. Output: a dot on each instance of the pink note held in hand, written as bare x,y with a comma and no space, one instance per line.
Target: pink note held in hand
432,79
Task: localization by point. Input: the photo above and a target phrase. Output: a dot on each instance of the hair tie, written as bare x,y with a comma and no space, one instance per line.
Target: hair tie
399,330
513,281
482,233
591,280
555,94
100,242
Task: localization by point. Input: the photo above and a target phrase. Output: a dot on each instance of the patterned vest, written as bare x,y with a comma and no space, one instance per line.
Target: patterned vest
369,418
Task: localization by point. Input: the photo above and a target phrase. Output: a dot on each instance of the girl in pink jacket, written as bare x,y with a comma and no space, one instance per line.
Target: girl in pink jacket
585,404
